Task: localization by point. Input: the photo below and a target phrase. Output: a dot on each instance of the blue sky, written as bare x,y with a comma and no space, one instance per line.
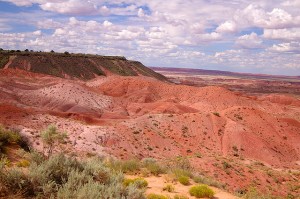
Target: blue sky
258,36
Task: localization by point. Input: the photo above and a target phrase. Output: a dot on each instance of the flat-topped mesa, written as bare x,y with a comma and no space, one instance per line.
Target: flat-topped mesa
78,66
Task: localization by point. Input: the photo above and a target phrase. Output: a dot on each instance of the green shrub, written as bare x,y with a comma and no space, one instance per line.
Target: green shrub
4,162
64,177
180,197
53,171
184,180
201,191
208,181
36,157
182,162
135,193
252,193
181,172
8,137
4,59
169,188
156,196
15,181
153,167
51,137
128,166
226,165
138,182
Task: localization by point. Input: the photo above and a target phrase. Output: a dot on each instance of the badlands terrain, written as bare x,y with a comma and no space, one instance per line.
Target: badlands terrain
241,139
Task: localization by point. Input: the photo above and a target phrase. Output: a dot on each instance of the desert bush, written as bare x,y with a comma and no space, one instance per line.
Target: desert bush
51,137
65,177
98,170
156,196
145,172
201,191
184,180
135,193
138,182
23,163
226,165
208,181
182,162
127,166
130,166
153,167
4,161
181,172
180,197
15,181
22,153
169,188
252,193
53,171
87,189
8,137
3,60
36,157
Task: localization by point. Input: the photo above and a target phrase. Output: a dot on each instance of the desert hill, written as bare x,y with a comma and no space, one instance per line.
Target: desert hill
236,139
80,66
115,107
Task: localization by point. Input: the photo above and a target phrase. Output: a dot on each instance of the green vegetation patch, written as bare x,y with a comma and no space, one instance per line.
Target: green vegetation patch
156,196
138,182
184,180
8,137
3,60
169,188
153,167
180,197
65,177
201,191
128,166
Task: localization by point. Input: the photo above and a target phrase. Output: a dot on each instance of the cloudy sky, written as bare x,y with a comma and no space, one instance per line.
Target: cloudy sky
257,36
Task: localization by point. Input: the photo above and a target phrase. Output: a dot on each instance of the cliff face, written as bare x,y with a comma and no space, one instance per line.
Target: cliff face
79,66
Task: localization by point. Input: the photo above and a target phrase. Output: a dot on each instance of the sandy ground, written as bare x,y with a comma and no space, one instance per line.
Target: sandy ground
156,185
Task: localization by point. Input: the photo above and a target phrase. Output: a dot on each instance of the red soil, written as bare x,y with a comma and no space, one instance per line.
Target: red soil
142,117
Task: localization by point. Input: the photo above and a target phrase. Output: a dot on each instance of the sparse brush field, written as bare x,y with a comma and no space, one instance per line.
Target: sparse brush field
30,174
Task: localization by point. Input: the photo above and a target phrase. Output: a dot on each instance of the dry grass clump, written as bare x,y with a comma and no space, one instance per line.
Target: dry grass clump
156,196
169,188
201,191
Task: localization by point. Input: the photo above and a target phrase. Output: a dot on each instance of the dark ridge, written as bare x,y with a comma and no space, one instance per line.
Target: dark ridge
78,66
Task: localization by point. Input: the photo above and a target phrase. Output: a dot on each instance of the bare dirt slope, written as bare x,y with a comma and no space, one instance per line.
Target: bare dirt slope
237,139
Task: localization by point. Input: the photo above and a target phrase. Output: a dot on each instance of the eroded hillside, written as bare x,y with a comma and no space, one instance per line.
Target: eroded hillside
236,139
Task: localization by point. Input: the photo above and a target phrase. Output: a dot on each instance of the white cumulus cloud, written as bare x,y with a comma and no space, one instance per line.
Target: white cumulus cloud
249,41
292,47
227,27
282,34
